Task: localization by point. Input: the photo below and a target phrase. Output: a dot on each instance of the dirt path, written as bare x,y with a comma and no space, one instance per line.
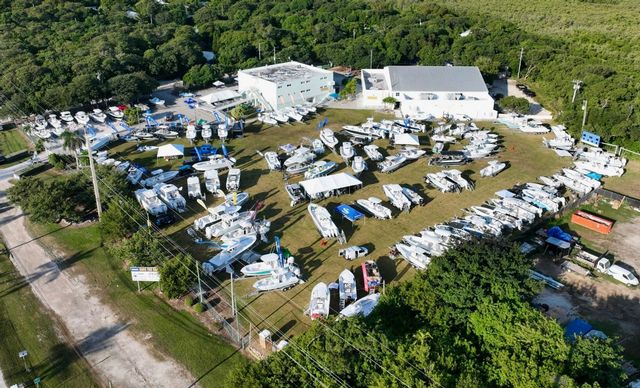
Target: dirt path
102,338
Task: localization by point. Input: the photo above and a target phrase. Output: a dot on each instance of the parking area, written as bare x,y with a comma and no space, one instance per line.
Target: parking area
507,87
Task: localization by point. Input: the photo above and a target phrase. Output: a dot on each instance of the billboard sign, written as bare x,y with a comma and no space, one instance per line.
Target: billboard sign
145,274
590,138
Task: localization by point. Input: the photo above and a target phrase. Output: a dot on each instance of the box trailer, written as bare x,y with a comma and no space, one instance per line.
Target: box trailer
591,221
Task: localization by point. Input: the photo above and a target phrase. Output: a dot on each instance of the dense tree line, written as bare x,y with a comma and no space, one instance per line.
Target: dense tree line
465,321
60,53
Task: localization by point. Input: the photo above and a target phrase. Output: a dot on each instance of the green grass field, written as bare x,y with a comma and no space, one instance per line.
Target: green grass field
11,141
177,334
26,325
282,311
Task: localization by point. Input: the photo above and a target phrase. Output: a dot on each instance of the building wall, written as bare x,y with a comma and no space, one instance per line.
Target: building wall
247,82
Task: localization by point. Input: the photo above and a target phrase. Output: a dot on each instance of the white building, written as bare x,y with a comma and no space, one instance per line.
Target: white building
434,90
274,87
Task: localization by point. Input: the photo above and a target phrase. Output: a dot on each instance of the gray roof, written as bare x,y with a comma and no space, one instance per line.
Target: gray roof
436,79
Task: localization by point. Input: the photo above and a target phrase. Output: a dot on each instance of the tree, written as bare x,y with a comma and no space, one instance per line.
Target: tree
71,141
390,101
350,89
595,360
58,161
132,115
200,76
241,111
177,275
120,219
143,249
129,87
514,104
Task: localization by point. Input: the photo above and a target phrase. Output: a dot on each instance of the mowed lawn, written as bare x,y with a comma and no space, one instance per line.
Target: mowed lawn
175,333
12,140
26,325
282,312
627,184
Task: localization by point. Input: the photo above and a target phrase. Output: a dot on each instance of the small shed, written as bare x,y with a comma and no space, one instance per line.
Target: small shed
171,151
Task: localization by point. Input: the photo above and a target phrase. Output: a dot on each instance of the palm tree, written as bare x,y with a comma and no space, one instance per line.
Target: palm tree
71,141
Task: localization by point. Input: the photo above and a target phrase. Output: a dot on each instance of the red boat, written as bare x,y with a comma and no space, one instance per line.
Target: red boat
371,276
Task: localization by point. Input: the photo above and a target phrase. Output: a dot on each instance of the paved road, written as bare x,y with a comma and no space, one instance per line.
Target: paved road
102,338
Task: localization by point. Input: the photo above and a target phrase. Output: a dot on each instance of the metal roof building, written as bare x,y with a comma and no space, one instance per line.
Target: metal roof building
430,90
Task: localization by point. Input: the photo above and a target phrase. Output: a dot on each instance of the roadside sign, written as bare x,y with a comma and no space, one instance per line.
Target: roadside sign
145,274
590,139
37,380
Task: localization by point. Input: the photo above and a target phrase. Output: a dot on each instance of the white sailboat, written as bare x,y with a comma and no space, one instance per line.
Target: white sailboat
323,222
373,205
319,302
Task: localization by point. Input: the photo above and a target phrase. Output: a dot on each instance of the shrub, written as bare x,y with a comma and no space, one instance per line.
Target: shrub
198,307
188,301
58,161
514,104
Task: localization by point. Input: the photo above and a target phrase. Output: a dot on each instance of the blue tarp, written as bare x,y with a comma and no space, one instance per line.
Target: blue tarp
558,233
349,213
594,175
577,328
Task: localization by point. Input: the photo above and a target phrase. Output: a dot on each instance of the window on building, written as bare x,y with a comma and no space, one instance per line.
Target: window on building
397,94
288,85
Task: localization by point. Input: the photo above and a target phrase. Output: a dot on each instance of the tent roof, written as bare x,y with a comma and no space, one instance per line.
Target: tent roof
169,150
222,95
326,183
349,213
406,139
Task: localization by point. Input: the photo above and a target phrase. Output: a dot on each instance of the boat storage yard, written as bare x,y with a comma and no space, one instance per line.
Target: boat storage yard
335,180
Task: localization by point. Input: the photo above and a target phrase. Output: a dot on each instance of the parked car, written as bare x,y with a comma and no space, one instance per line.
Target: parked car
521,86
165,219
529,92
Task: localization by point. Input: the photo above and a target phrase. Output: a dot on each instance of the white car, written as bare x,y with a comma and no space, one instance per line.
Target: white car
353,252
622,275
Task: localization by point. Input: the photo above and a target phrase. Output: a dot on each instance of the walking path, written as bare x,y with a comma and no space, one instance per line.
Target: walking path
104,341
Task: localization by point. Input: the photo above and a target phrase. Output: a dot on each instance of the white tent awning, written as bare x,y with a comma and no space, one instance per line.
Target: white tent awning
314,187
170,150
406,139
222,95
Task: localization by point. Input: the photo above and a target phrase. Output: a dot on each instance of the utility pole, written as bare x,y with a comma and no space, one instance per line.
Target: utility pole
576,86
94,178
199,283
233,299
520,61
274,55
371,59
584,114
259,52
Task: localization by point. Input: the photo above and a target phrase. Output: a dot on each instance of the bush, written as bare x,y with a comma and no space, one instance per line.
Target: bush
198,308
514,104
177,276
188,301
58,161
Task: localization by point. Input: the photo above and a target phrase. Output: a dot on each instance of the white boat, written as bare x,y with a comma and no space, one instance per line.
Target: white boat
443,139
296,169
347,288
411,125
392,163
479,150
560,143
318,146
550,181
267,119
150,202
533,126
115,113
193,187
265,266
415,255
358,165
600,168
302,155
206,132
66,117
272,160
231,251
43,134
212,181
573,184
456,177
53,120
134,176
215,214
81,117
440,182
282,279
328,138
215,162
230,223
98,116
366,131
362,307
319,302
191,132
576,175
95,143
295,193
373,205
601,156
320,168
411,153
372,152
397,199
303,110
237,198
517,202
233,180
156,101
280,117
223,132
166,133
346,151
493,169
293,114
40,123
159,178
412,196
323,222
170,195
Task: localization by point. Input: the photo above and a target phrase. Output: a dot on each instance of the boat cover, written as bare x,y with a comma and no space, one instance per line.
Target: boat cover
558,243
349,213
406,139
170,150
328,183
558,233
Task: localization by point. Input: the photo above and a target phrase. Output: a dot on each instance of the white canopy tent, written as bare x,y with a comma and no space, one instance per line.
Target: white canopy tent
326,186
170,151
406,139
222,95
218,84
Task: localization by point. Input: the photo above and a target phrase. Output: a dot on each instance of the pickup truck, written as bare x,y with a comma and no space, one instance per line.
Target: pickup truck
603,265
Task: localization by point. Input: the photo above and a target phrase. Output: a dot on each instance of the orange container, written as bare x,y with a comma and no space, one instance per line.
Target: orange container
591,221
